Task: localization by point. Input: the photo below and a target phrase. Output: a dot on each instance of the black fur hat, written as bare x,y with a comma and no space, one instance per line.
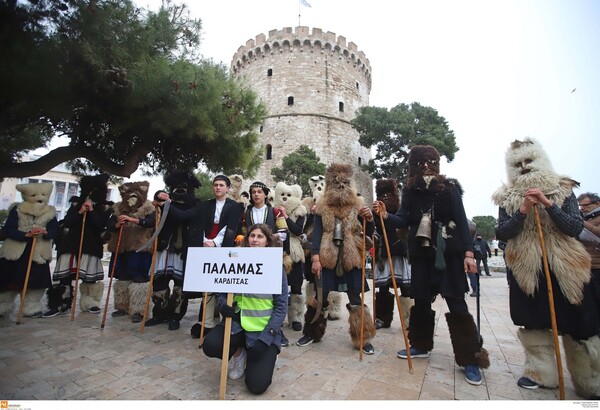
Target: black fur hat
181,185
387,192
93,187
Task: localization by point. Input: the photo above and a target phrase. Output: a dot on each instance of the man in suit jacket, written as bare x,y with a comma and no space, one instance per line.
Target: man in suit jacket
215,223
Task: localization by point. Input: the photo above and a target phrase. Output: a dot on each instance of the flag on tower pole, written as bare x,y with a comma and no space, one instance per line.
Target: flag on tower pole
305,3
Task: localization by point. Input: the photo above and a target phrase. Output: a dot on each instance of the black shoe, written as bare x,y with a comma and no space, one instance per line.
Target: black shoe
195,331
297,326
36,315
368,349
174,324
487,274
527,383
51,313
94,309
136,318
154,322
305,341
332,318
118,313
380,324
473,295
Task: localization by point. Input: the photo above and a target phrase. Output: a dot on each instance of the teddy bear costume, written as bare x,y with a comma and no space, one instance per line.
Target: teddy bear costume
32,217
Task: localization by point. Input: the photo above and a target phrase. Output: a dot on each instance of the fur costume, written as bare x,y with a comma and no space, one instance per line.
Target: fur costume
540,363
33,212
355,318
421,327
314,330
583,362
466,341
290,197
340,201
134,203
90,295
236,192
527,167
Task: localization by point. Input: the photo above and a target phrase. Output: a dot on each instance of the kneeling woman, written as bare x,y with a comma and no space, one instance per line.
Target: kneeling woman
255,339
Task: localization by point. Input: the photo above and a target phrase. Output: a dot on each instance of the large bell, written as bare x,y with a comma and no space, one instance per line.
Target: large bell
424,230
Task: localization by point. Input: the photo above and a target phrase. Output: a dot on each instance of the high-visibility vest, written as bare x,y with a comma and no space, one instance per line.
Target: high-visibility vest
255,311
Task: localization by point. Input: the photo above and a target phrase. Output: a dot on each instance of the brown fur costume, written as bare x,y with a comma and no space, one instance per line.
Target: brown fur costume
355,318
340,201
133,203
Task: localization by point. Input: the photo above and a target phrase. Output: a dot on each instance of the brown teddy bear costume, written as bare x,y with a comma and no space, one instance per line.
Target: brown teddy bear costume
337,255
31,218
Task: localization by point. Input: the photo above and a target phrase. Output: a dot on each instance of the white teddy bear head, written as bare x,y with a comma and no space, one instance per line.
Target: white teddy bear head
288,196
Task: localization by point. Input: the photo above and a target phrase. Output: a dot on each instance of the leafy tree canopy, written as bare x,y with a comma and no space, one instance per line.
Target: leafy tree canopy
486,226
393,132
125,86
298,166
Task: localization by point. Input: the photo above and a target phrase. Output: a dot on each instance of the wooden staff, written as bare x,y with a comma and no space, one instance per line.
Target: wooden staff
33,239
112,274
561,382
74,302
152,266
225,358
373,272
362,283
204,303
389,254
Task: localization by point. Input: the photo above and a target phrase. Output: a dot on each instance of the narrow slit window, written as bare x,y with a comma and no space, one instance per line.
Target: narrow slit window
269,151
290,100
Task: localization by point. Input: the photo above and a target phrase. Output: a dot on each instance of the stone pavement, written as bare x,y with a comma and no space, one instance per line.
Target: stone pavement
60,359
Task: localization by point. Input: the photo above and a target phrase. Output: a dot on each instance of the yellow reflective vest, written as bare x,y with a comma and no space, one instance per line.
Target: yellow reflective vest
255,311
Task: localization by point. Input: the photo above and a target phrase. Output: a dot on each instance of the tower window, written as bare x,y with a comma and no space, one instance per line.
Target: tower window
269,72
290,100
357,86
359,161
261,129
269,151
341,106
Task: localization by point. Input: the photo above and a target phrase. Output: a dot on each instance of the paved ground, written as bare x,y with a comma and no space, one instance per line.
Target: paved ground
60,359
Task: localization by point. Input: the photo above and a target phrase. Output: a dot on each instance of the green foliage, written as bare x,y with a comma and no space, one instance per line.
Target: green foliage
205,192
3,216
486,226
393,132
298,166
124,85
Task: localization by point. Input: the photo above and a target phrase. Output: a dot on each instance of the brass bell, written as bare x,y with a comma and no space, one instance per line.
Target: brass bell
424,230
338,232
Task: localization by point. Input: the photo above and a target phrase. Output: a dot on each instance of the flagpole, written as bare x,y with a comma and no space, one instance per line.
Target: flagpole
299,7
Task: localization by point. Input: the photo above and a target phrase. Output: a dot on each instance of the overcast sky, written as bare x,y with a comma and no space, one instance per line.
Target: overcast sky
495,70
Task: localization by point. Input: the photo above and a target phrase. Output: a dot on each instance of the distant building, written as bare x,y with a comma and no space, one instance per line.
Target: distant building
65,186
313,82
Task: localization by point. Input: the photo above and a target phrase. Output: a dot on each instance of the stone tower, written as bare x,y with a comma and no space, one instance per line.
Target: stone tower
312,84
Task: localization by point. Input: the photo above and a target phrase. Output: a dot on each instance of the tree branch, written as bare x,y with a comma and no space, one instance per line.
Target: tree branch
63,154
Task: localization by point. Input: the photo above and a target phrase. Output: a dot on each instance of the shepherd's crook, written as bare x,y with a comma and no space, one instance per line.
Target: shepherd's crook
561,382
392,274
373,273
74,303
362,282
112,274
26,279
225,358
152,266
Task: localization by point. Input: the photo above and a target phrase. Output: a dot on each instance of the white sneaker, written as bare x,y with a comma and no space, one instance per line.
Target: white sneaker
237,366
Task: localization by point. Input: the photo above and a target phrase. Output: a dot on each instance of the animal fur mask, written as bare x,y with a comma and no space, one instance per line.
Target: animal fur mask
387,192
339,185
133,196
93,187
181,186
527,162
423,168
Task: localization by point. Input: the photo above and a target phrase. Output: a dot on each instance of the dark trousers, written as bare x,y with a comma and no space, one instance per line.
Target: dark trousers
485,265
259,372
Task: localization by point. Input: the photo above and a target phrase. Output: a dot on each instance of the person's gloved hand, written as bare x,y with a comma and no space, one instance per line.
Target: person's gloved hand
257,351
228,311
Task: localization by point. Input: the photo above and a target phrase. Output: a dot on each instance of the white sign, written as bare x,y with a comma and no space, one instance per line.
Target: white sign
234,270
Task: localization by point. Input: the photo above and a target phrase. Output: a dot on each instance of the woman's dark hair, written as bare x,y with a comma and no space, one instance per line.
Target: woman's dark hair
272,240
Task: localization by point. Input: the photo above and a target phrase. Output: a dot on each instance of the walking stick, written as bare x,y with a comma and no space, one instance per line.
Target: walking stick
393,275
373,273
225,358
204,303
34,238
362,284
112,274
74,302
561,383
152,266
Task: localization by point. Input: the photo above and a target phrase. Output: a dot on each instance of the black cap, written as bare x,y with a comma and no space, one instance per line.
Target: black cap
222,177
260,185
